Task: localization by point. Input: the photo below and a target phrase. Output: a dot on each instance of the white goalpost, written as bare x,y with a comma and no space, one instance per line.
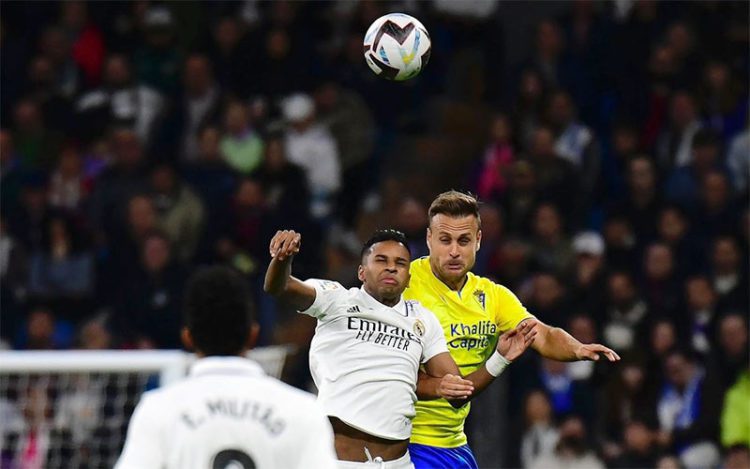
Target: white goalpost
70,409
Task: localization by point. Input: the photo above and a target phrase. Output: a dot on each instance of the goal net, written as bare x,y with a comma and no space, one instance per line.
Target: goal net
70,409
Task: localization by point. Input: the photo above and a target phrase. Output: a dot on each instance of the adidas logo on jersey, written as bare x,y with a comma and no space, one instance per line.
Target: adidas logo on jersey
353,309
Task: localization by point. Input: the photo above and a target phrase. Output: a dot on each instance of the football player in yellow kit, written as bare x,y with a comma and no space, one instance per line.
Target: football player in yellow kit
473,312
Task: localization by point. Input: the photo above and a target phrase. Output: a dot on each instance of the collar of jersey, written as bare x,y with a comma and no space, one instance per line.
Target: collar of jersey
225,366
398,306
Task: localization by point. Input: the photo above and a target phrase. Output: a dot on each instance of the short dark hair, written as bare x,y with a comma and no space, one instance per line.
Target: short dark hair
218,311
455,204
706,138
384,235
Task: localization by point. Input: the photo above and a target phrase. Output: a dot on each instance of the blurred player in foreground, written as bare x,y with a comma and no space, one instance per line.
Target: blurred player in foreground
473,311
369,345
227,413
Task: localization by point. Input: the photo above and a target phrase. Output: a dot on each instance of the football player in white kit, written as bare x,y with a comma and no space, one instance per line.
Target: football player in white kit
227,413
368,347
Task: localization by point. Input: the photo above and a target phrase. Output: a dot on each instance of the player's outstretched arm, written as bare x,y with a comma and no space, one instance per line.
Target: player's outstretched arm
555,343
279,281
441,372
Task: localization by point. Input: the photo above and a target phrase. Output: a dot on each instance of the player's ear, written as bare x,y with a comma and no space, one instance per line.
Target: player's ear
428,237
252,335
361,273
187,339
479,239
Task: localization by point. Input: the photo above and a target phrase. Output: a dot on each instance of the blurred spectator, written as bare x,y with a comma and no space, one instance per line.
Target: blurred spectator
620,240
411,219
214,181
41,88
347,116
556,177
688,411
511,264
43,331
548,299
717,212
150,300
639,447
233,59
643,200
492,178
11,177
241,145
88,46
36,145
120,101
541,436
626,398
248,225
310,145
284,183
730,357
674,230
700,325
547,59
669,461
493,231
662,339
28,222
722,98
119,182
567,394
729,273
157,62
528,107
552,249
94,334
626,321
180,211
64,266
572,450
198,106
673,148
738,160
684,181
660,285
583,328
285,69
588,278
55,45
522,196
68,187
575,142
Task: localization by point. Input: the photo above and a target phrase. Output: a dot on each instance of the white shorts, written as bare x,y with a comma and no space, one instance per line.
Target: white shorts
404,462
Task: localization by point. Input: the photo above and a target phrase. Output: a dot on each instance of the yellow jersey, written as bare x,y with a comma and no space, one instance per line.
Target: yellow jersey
472,319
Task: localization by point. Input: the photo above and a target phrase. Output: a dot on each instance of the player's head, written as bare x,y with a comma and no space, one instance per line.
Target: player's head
454,235
219,317
384,265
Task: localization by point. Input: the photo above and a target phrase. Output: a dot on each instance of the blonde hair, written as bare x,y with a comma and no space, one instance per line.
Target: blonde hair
455,204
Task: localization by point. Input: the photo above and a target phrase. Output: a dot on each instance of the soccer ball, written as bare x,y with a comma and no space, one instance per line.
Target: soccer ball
397,46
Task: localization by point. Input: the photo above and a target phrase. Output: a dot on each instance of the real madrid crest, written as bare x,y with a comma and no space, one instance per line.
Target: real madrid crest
419,328
480,296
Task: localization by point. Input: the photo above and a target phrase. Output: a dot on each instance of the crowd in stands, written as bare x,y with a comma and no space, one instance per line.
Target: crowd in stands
608,142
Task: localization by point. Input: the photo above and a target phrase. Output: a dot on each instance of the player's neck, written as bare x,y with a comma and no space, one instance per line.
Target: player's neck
390,302
455,285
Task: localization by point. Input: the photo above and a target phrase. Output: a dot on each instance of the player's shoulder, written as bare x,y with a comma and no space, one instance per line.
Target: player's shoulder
325,285
489,285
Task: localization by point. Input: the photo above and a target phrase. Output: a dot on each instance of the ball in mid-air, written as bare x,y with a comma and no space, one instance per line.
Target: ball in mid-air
397,46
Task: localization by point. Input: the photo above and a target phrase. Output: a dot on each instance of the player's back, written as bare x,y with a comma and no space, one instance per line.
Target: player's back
227,413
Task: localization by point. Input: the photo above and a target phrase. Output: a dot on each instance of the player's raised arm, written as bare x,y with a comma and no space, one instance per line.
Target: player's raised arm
555,343
279,281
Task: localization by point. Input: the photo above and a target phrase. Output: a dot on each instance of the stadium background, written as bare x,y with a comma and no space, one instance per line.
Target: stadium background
608,142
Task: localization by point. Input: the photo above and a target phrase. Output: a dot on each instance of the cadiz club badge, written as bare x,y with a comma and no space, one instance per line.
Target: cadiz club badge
419,328
480,296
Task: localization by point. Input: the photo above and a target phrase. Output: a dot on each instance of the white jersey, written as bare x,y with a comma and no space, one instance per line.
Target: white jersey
365,357
228,413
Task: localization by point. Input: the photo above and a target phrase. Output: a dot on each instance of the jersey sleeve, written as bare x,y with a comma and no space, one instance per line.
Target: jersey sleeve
142,444
317,450
509,311
434,338
327,294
